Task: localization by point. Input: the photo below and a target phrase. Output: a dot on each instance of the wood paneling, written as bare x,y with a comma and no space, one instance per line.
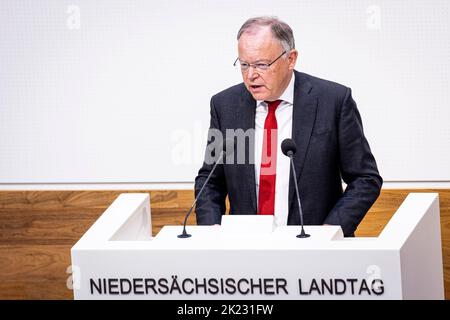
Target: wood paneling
38,228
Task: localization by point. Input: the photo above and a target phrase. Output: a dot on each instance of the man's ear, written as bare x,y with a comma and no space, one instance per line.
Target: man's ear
293,55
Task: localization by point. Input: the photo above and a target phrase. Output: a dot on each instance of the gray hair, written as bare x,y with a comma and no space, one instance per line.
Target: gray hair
280,30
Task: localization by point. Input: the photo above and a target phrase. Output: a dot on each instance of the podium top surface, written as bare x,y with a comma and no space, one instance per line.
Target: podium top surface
214,237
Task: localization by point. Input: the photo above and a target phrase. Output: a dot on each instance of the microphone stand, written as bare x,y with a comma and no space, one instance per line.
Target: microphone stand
302,233
184,234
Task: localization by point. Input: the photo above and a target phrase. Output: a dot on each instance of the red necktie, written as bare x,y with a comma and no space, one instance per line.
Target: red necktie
267,175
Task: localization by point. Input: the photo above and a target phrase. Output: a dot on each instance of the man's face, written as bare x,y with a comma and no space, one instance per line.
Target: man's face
260,46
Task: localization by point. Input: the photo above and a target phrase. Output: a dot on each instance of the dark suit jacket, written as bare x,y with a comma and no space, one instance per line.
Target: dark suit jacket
327,128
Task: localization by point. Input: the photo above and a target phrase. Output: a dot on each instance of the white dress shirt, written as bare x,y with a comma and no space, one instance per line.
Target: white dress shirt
284,121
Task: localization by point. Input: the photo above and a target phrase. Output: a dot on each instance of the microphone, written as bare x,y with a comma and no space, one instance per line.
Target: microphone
288,147
224,148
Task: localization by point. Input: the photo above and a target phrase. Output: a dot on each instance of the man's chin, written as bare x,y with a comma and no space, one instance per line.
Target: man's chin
259,96
259,93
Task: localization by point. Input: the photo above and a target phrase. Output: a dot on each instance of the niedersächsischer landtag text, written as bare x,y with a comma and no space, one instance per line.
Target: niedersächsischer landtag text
231,286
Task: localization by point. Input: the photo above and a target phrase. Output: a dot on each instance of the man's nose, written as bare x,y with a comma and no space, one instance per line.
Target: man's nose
252,74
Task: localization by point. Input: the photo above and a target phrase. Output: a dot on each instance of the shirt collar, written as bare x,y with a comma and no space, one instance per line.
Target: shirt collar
287,95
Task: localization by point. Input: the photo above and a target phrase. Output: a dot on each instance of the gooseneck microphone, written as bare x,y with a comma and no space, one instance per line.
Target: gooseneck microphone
288,147
223,151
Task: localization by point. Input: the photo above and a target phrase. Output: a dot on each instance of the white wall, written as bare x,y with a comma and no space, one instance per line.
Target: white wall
95,92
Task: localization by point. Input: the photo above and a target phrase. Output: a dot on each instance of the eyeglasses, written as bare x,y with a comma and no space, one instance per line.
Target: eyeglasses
258,66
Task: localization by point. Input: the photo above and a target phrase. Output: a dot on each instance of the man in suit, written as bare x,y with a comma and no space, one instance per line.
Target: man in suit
276,102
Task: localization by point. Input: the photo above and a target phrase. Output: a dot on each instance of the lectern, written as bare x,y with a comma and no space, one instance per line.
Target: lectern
247,257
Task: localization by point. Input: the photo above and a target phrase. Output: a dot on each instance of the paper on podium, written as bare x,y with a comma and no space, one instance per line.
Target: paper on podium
248,224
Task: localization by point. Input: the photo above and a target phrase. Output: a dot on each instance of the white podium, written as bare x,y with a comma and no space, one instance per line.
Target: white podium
247,258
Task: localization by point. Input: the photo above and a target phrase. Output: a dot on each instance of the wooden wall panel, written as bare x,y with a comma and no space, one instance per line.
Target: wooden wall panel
38,228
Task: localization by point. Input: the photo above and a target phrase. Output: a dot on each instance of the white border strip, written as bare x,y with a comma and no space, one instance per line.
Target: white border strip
187,186
98,186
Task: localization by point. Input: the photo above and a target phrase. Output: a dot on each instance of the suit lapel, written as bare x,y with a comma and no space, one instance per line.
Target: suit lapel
303,119
246,117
